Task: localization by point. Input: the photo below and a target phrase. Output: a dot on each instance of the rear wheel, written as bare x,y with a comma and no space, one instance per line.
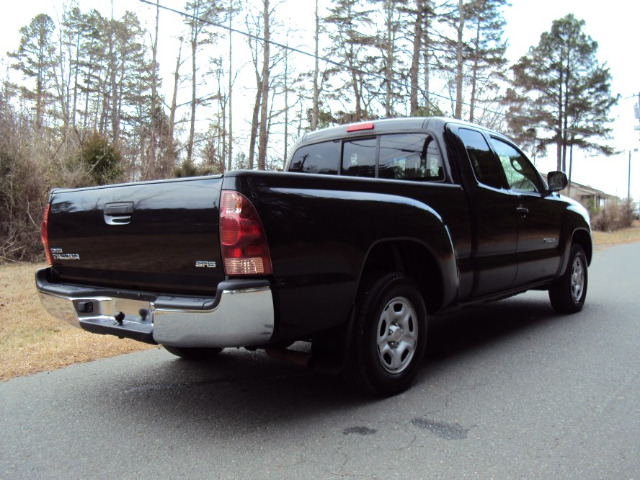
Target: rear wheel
390,336
193,353
569,292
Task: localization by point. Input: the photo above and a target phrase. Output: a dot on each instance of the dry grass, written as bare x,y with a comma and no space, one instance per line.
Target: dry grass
625,235
33,341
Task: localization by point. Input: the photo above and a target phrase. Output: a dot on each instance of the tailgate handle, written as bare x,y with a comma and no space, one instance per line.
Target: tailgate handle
118,213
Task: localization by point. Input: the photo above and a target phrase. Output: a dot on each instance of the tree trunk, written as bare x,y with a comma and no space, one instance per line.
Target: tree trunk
427,58
474,71
192,125
355,83
286,105
230,136
389,53
559,124
154,90
115,119
254,125
194,69
174,99
459,60
315,113
415,58
264,103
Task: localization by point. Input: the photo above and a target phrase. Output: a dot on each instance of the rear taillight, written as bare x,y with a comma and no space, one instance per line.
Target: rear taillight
244,245
44,233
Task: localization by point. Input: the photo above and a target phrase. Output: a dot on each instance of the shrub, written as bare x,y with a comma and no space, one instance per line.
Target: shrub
102,159
613,216
23,188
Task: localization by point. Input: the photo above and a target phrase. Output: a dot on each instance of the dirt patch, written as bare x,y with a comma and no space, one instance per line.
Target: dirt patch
32,341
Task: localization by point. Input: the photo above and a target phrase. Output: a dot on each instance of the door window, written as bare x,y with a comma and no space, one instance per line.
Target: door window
521,175
486,166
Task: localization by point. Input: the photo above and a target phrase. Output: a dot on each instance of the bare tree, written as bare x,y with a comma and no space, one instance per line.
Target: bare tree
347,20
202,14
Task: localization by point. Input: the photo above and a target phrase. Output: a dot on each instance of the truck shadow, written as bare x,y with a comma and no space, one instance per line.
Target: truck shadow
246,390
478,327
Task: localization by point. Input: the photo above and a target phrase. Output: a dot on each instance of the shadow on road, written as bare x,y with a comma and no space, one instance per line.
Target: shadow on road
245,391
478,327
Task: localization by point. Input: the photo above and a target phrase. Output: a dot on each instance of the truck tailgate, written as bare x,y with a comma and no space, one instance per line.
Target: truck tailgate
158,236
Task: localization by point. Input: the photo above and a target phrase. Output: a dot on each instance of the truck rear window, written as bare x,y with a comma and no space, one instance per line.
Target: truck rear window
359,157
410,156
404,156
317,158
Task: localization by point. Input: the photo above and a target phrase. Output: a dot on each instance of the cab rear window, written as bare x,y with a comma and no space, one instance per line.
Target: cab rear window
318,158
359,157
406,156
410,157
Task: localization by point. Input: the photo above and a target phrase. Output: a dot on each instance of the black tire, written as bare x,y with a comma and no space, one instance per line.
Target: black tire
193,353
569,292
389,338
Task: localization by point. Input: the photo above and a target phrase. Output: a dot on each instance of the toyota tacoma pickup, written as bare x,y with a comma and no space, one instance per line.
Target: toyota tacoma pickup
372,229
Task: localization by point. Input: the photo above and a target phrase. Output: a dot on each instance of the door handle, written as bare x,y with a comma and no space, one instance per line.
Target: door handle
522,211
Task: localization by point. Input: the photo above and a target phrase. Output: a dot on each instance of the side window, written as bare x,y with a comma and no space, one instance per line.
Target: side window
521,175
486,166
410,156
359,157
318,158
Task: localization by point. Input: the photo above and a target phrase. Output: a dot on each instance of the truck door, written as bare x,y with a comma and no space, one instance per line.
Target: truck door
493,217
539,216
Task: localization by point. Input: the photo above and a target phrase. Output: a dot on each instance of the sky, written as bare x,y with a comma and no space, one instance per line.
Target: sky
612,24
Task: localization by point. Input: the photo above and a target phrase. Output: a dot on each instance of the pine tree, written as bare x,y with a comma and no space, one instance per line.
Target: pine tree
419,14
36,59
474,52
487,53
560,86
346,23
388,42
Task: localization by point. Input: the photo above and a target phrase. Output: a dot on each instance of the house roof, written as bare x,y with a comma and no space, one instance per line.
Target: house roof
577,188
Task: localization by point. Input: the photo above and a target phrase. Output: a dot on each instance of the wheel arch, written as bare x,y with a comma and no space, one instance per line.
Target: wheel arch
583,238
415,260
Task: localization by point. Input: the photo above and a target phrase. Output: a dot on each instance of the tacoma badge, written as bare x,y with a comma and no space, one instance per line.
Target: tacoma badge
58,254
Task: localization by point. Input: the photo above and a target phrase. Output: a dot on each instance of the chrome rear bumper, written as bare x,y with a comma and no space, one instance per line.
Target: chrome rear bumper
241,314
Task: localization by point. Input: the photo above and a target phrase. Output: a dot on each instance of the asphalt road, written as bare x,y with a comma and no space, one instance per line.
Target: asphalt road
509,390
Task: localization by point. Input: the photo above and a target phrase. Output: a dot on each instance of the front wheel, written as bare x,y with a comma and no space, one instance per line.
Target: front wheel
569,292
193,353
390,336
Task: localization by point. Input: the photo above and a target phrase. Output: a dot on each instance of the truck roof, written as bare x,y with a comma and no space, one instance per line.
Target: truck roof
385,125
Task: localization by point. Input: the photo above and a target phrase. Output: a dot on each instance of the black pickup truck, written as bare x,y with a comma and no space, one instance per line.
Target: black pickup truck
374,228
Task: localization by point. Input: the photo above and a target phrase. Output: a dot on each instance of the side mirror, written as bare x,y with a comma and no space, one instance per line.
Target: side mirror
557,181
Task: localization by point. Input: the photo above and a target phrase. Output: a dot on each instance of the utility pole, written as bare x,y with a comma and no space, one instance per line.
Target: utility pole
636,109
629,177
